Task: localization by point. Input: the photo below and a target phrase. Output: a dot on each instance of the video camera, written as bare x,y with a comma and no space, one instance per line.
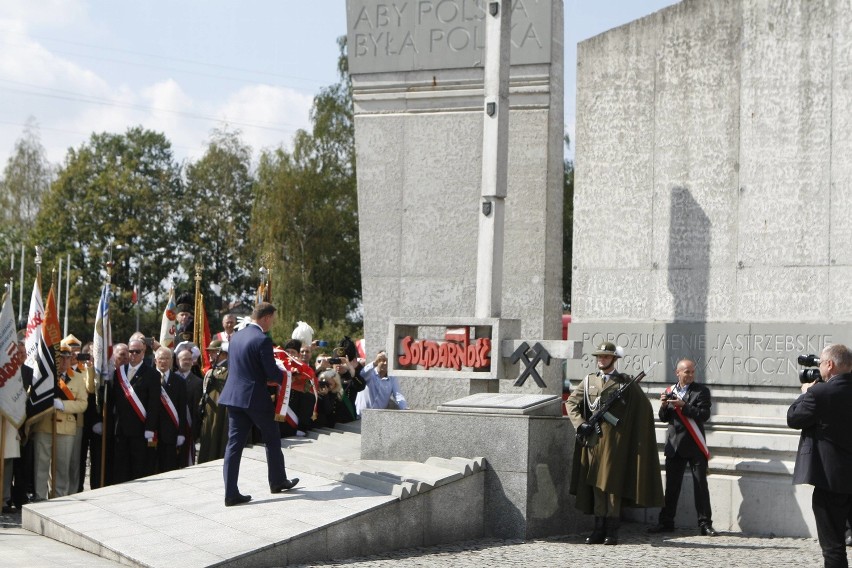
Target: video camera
809,374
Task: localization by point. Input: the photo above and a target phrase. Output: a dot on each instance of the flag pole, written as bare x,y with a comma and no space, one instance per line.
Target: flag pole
106,390
3,458
21,291
59,294
67,289
7,292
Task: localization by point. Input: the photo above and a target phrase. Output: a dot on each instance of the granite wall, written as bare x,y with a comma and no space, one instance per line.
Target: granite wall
713,188
417,79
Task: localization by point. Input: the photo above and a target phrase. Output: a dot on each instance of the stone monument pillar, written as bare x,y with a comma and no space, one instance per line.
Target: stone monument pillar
417,76
432,203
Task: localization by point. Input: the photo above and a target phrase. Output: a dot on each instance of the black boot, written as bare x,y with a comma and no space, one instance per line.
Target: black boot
612,525
599,533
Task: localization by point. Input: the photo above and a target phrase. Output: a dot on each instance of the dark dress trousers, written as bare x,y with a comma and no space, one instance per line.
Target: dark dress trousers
247,399
131,457
824,459
681,450
192,416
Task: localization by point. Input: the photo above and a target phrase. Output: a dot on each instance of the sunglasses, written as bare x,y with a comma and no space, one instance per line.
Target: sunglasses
134,351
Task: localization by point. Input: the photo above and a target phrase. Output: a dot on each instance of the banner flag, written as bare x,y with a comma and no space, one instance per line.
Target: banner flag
13,397
39,358
102,344
168,329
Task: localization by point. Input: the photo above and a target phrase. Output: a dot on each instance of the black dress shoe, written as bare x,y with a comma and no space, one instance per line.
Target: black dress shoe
612,526
286,486
238,500
599,533
708,530
661,529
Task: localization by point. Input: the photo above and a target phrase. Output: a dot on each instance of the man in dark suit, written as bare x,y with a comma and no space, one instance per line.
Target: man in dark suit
686,407
192,418
824,459
135,398
170,436
248,402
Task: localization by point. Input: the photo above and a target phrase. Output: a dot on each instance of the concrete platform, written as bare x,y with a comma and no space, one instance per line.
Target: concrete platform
340,509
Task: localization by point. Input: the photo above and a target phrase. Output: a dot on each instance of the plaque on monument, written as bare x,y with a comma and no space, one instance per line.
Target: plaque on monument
408,35
492,403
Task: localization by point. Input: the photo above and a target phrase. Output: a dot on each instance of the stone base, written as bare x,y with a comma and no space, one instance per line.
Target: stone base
754,504
529,462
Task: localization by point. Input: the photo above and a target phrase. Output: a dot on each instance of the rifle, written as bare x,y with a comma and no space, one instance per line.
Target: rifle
589,432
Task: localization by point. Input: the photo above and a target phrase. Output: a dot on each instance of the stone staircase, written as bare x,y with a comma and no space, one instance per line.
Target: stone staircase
343,507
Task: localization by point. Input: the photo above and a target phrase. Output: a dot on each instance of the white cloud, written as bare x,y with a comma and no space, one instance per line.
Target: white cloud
48,13
268,116
71,98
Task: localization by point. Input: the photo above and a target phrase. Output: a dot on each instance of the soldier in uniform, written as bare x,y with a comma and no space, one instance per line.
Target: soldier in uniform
214,418
620,467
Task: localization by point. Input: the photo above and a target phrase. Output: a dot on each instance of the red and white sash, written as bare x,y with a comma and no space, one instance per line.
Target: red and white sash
130,394
283,412
691,425
169,406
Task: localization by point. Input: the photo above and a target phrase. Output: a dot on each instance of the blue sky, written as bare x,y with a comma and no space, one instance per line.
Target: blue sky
185,67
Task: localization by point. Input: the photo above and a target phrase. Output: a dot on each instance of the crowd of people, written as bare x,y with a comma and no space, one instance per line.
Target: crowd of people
161,411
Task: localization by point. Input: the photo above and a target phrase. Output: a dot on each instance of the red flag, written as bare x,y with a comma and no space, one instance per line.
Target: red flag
134,296
52,331
204,337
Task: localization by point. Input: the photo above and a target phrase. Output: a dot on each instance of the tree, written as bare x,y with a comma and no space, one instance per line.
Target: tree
26,178
305,217
119,189
219,189
567,227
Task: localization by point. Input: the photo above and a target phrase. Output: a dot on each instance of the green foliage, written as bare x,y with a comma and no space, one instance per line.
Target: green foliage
119,188
216,218
305,218
567,228
26,178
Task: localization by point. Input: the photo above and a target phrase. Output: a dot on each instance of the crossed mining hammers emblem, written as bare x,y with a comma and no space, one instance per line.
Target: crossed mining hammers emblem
540,354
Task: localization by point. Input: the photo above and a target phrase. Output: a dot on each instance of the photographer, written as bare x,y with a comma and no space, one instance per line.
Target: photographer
824,458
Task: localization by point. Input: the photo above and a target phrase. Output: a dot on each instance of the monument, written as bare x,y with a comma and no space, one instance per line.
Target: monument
458,136
718,132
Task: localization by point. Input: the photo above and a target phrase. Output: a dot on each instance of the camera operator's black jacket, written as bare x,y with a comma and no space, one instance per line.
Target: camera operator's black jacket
823,414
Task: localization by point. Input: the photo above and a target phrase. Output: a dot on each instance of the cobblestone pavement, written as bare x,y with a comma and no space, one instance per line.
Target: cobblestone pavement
637,549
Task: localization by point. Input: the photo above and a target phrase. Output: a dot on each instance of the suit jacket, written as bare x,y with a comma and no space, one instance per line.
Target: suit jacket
167,432
824,458
678,439
146,384
251,365
194,392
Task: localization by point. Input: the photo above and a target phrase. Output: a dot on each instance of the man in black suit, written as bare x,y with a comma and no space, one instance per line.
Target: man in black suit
192,418
686,407
824,459
172,412
135,398
247,399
